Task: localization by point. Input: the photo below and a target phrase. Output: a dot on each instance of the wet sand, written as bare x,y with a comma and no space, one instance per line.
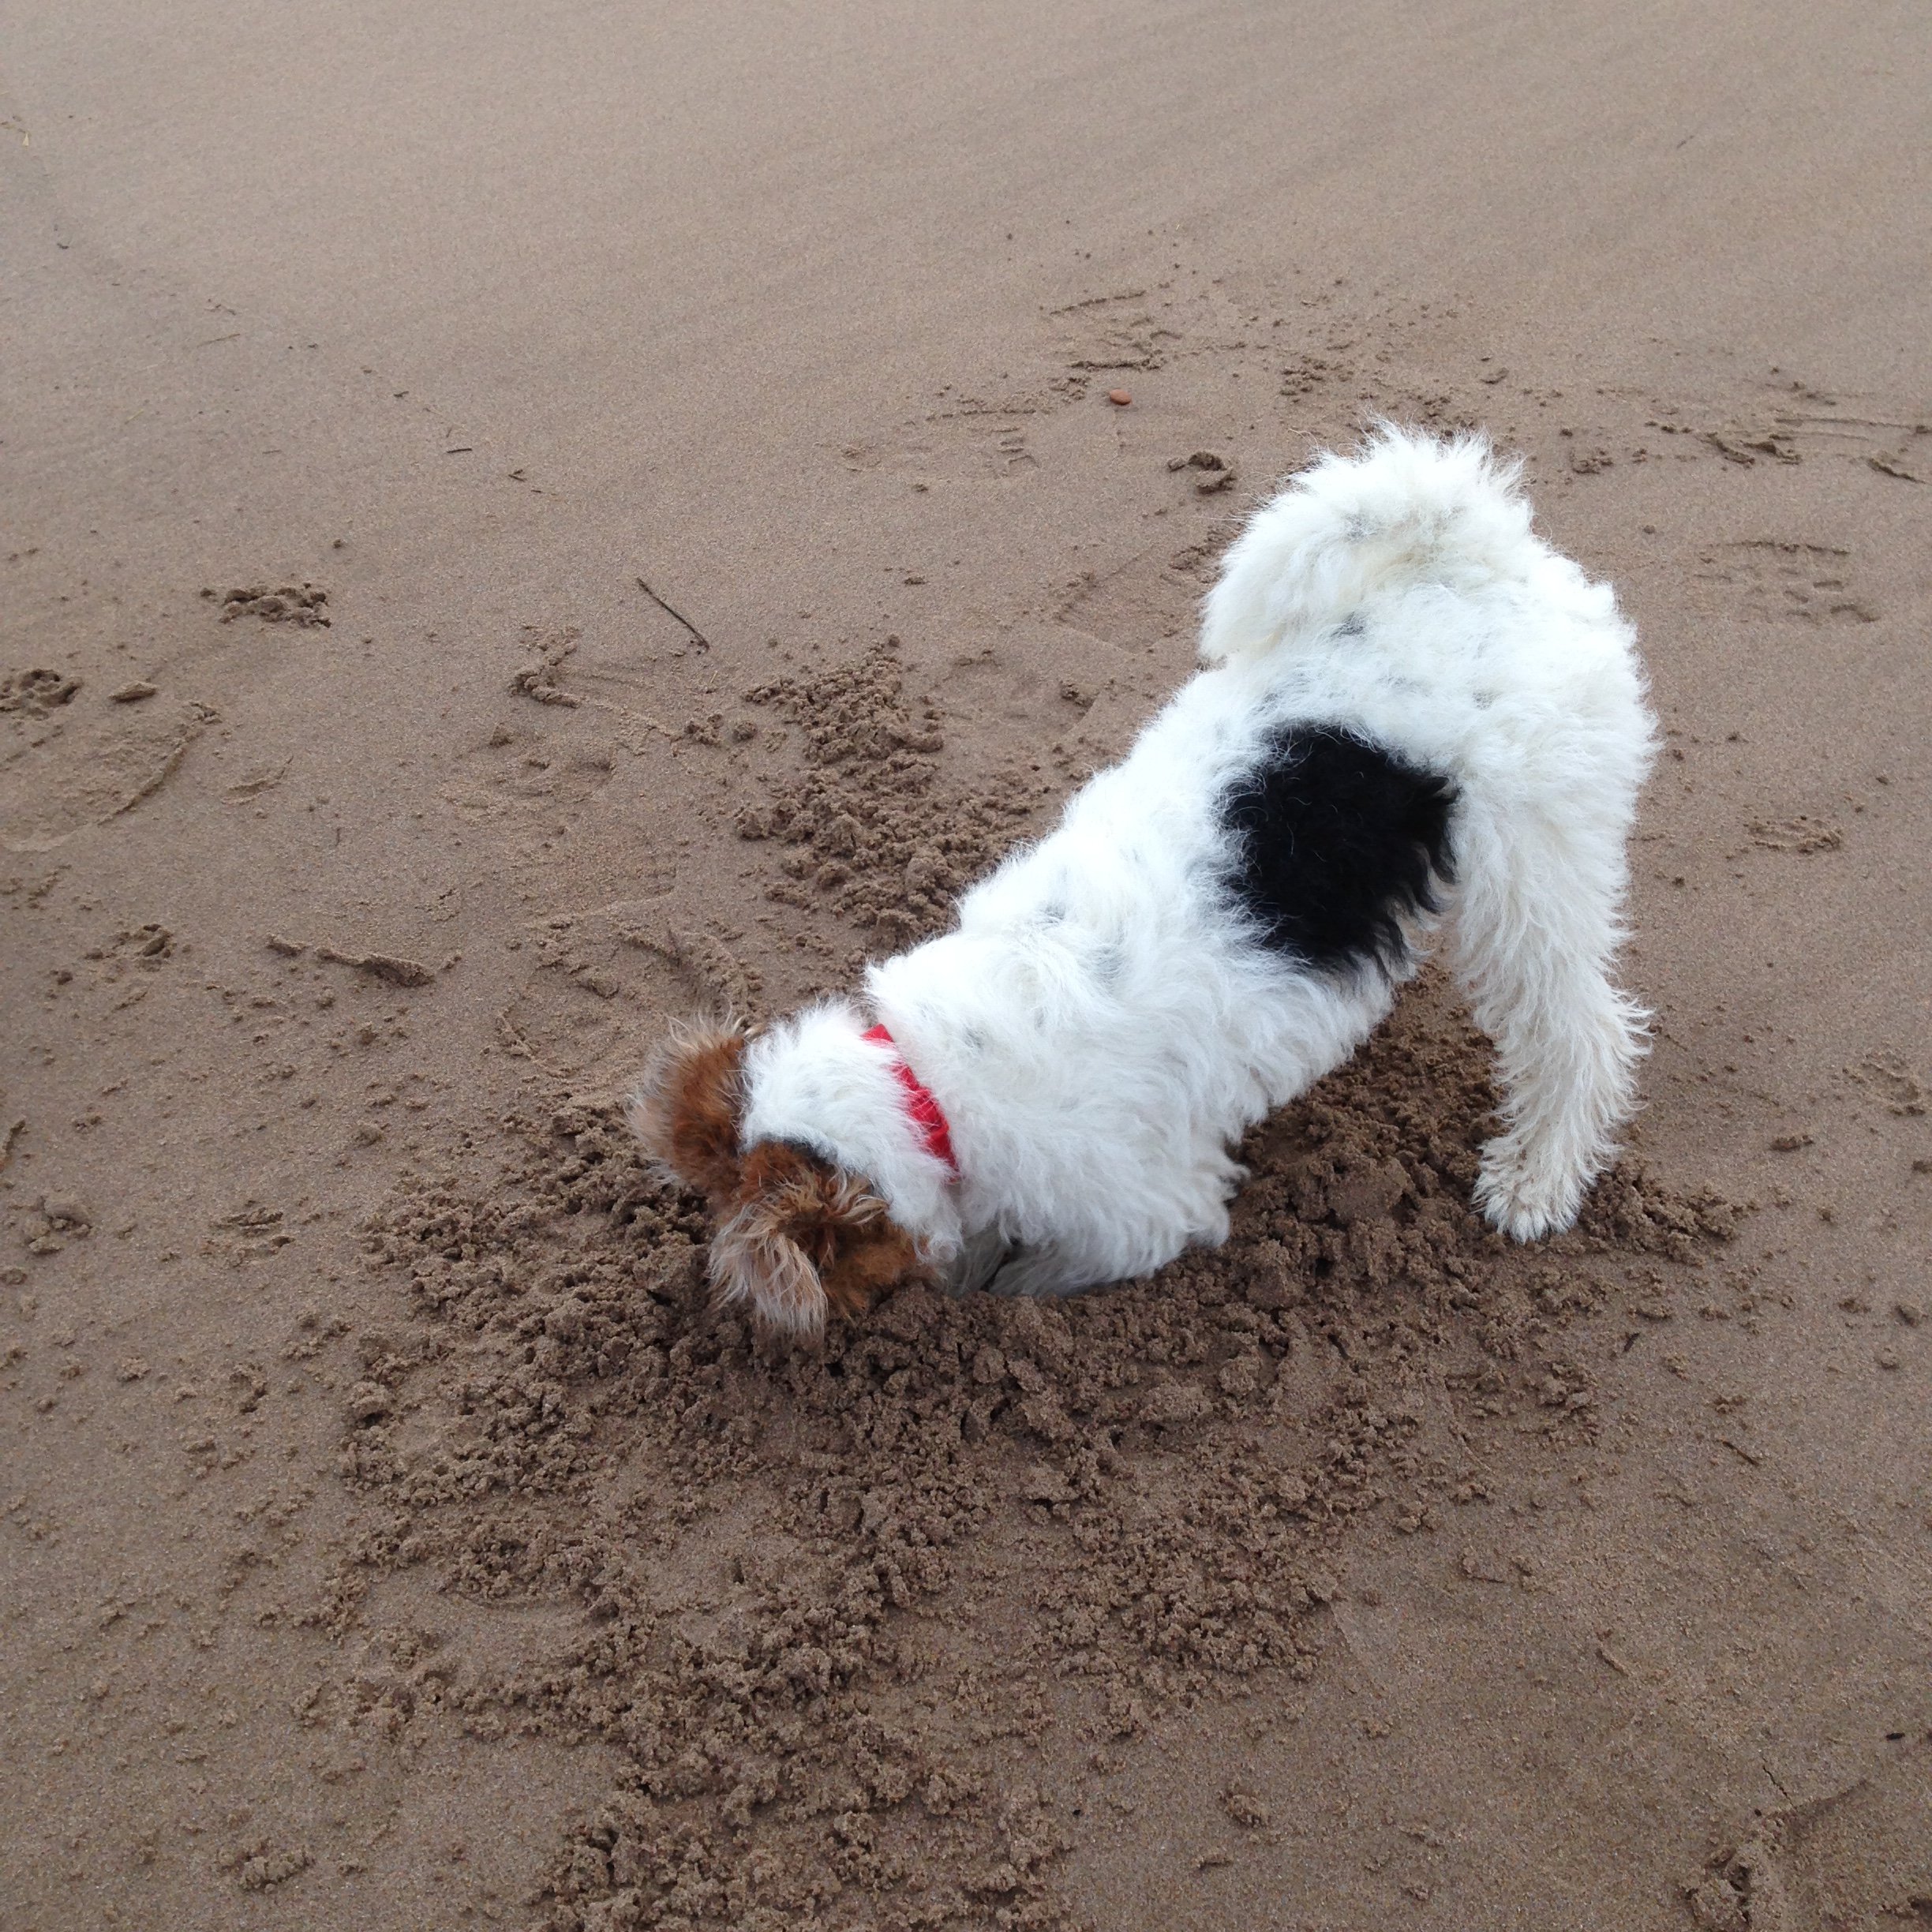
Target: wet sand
516,526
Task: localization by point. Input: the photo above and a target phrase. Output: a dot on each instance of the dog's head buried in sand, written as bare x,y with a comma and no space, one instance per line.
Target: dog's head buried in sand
1417,722
799,1231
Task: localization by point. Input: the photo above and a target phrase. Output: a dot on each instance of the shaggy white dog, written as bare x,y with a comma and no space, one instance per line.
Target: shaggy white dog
1415,714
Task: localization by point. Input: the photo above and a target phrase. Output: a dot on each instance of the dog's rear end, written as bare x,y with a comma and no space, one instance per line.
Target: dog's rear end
1519,682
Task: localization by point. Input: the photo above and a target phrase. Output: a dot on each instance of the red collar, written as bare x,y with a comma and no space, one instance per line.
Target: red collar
925,1111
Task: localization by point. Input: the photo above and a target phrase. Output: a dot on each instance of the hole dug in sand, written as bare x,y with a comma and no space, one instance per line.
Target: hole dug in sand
855,1621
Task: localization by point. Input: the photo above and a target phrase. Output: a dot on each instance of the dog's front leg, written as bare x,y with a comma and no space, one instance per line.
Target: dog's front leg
980,1258
1035,1272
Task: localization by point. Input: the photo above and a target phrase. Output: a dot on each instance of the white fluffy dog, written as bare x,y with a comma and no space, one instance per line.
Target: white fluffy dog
1414,714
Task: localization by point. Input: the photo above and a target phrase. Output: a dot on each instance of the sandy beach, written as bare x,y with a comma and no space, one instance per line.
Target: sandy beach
519,524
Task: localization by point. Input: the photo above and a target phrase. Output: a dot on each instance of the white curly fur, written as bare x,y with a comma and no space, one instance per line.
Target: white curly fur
1099,1027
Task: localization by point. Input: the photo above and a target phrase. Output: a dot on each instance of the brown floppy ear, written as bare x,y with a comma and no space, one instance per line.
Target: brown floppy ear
686,1109
804,1238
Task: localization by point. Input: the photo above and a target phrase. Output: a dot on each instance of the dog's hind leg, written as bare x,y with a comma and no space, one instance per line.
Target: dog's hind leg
1538,918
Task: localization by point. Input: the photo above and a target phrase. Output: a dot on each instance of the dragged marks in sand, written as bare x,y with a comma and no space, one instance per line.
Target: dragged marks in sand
1794,422
973,440
604,983
706,962
772,1574
1304,366
88,771
1001,431
975,433
1154,596
1091,694
1801,834
542,680
34,694
539,767
1889,1077
1806,834
194,718
1303,341
1116,333
255,781
1801,582
1860,1856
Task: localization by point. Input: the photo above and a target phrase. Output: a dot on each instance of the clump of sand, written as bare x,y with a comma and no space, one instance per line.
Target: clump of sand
860,822
820,1596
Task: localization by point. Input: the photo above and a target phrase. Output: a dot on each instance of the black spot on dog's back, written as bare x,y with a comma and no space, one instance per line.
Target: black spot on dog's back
1336,839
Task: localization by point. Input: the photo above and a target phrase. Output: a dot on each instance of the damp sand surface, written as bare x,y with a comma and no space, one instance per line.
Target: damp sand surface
514,529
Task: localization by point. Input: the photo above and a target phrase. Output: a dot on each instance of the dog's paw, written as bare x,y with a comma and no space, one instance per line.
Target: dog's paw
1526,1199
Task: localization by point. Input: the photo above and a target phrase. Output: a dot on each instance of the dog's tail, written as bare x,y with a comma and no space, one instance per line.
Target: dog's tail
1409,508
